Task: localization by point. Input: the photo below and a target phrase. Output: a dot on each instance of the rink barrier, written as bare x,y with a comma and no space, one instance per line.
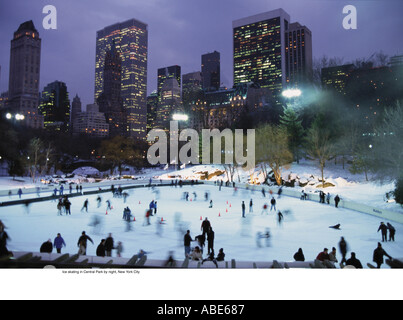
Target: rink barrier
35,260
385,214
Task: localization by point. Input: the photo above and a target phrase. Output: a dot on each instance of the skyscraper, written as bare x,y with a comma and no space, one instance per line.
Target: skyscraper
298,55
211,71
110,101
55,107
173,72
25,63
259,50
76,108
170,103
131,41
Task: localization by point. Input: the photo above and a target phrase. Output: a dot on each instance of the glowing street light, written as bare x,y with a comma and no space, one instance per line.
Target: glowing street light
292,93
180,117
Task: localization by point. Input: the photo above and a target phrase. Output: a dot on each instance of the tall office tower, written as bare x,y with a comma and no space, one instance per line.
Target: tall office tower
191,88
76,108
131,41
259,50
25,64
55,107
110,101
170,104
298,56
173,72
211,71
152,106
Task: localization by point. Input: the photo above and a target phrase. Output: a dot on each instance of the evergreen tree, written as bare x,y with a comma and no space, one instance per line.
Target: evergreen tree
291,121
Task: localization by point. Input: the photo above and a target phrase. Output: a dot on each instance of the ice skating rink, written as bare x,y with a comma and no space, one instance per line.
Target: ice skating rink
305,225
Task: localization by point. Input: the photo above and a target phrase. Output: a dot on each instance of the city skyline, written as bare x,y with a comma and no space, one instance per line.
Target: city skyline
170,29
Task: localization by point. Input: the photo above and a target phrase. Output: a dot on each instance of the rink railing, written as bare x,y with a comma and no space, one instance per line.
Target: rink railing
30,194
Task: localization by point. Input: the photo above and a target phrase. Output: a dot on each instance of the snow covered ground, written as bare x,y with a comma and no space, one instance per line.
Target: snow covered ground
306,227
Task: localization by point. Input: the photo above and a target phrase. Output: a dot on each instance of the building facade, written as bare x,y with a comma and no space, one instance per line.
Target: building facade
130,39
91,123
55,107
211,71
172,72
25,65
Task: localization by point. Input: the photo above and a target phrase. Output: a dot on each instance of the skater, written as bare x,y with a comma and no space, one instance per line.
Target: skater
264,193
337,201
82,243
152,206
101,249
99,201
59,207
201,240
155,207
273,204
20,192
67,206
109,245
119,249
211,204
280,191
379,253
392,232
328,198
61,190
280,217
205,227
243,209
210,240
85,206
108,205
147,220
384,229
265,209
343,249
187,240
299,256
251,206
353,261
46,247
59,243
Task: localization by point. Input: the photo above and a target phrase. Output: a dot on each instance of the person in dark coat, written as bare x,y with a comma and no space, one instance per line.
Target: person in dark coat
109,245
3,242
221,255
353,261
379,253
343,249
392,232
243,209
46,247
82,243
210,240
299,256
101,249
187,240
384,229
58,243
205,227
337,201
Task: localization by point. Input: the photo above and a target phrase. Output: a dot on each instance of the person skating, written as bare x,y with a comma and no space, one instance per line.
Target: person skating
46,247
299,256
392,232
101,249
59,243
82,243
273,204
353,261
379,253
243,209
210,240
187,241
67,206
3,242
109,245
85,206
251,206
384,230
337,201
205,227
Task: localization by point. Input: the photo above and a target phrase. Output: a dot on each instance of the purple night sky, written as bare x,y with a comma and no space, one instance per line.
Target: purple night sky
180,31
